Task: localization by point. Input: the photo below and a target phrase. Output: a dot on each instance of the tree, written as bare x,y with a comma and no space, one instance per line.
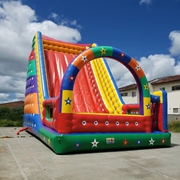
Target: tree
5,112
16,114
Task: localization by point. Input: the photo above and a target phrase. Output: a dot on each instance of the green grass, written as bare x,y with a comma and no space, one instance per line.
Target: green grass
174,126
10,123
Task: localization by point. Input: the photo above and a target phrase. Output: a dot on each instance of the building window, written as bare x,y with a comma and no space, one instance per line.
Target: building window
175,110
133,94
175,88
124,94
163,88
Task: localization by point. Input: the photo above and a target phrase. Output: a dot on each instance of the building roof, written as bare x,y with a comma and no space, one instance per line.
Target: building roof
166,79
129,87
153,82
16,104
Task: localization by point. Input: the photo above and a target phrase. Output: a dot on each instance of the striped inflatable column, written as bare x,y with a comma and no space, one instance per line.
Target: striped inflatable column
162,110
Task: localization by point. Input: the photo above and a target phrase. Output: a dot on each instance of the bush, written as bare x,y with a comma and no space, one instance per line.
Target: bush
5,112
11,117
174,126
10,123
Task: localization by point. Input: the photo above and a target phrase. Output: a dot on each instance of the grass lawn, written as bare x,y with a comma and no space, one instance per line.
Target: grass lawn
174,126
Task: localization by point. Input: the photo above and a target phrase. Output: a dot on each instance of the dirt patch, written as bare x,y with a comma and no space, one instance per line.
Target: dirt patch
5,137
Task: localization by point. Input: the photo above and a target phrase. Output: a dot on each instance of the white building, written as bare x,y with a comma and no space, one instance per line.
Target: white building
170,84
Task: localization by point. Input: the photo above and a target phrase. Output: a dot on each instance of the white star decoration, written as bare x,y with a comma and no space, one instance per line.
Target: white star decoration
139,141
151,141
84,58
68,101
148,106
138,68
94,143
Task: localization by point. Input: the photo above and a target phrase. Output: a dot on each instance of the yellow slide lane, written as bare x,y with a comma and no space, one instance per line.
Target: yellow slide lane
40,89
106,87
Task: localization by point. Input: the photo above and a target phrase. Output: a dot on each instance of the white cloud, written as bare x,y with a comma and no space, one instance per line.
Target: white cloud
54,15
158,65
61,20
18,24
122,76
11,84
3,96
154,66
19,95
145,2
74,22
175,39
53,30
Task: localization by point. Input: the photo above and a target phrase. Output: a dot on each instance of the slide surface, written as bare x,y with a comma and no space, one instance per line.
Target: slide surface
94,91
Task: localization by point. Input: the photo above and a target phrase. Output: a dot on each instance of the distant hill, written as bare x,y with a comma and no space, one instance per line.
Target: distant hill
15,104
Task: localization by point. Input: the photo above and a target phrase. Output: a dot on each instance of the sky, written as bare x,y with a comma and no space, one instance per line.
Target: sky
148,30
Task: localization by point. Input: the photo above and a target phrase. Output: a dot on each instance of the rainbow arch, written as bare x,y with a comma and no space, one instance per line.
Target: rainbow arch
106,51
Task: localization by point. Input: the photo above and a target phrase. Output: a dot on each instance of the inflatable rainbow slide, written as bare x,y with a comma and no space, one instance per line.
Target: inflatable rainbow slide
73,104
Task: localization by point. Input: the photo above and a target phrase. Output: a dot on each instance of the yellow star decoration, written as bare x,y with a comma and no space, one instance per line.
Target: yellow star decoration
93,45
103,51
44,138
146,86
49,140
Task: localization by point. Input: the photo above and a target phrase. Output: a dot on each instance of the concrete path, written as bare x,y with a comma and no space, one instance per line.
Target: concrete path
24,157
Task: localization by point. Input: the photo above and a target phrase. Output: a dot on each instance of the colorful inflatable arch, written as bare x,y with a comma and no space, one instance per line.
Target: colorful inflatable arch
72,102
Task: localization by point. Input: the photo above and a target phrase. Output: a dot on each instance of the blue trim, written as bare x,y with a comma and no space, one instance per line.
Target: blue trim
165,124
68,84
60,100
33,121
42,66
155,99
113,80
117,55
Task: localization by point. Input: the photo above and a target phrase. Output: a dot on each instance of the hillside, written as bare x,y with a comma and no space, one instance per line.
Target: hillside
16,104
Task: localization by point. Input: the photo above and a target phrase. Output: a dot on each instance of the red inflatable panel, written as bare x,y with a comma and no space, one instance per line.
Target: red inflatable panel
78,123
130,108
86,95
31,56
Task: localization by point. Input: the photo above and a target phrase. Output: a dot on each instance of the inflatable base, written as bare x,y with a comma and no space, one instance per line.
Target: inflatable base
89,142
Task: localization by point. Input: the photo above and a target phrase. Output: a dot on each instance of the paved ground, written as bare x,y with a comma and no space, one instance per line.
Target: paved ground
25,157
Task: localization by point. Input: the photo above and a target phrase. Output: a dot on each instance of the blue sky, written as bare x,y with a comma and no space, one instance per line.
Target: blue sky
138,29
148,30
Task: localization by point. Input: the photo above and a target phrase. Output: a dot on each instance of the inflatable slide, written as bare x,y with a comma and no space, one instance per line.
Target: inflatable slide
72,102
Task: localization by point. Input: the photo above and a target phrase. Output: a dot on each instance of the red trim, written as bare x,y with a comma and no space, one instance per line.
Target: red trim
22,129
160,118
50,102
31,56
130,107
